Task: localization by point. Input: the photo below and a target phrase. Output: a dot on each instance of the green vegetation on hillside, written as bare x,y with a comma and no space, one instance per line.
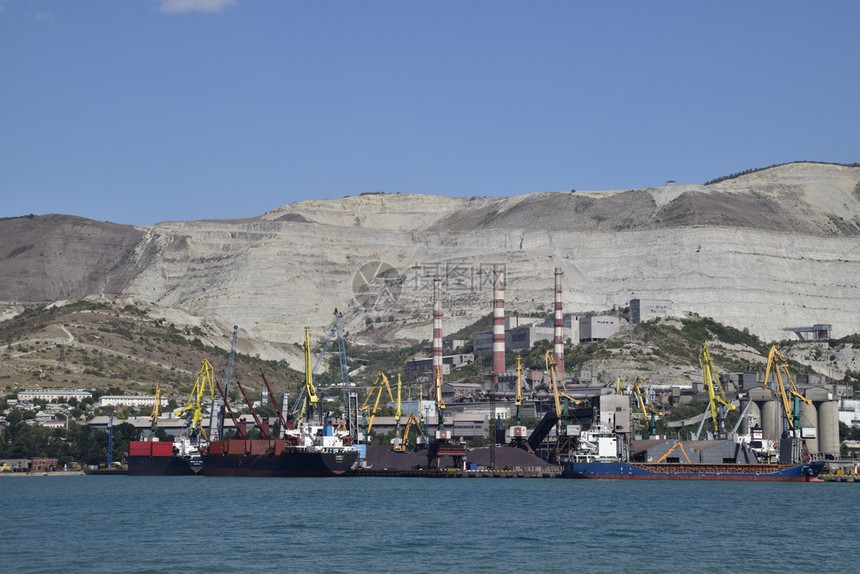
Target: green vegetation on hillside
756,169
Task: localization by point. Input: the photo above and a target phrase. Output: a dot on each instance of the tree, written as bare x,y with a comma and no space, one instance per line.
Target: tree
14,417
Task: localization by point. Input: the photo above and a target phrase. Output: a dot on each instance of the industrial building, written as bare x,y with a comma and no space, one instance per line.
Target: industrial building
130,401
58,395
449,363
644,309
597,327
817,332
522,333
174,426
819,423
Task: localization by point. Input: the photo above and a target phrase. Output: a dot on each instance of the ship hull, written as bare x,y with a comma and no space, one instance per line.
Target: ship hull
680,471
159,466
156,458
280,462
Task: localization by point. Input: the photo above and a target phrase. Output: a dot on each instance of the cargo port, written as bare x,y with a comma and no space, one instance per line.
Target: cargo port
581,431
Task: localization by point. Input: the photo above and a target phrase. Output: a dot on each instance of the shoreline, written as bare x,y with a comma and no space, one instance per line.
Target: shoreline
45,473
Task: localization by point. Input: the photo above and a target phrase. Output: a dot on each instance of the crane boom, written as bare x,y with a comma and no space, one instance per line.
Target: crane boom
440,402
549,360
712,383
777,361
240,425
668,452
275,402
412,420
638,385
156,410
398,410
216,424
194,405
341,346
261,424
379,385
310,393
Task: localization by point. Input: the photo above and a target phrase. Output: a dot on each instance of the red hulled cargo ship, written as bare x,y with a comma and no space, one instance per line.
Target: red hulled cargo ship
156,458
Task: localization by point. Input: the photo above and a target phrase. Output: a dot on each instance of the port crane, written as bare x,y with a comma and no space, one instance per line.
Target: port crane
262,424
309,397
443,445
562,401
561,397
401,443
275,403
336,331
410,422
718,402
650,414
241,431
777,362
156,410
379,385
216,423
194,405
398,410
341,346
518,431
558,417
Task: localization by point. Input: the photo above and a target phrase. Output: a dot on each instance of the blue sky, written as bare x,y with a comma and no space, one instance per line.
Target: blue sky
139,111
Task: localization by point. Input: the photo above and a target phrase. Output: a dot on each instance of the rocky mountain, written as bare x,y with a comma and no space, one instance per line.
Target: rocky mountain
764,251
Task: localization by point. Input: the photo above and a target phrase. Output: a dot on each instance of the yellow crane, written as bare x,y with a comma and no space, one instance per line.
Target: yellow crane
379,385
716,394
310,394
668,452
518,399
779,364
556,380
517,430
654,413
398,410
156,410
440,404
410,422
194,405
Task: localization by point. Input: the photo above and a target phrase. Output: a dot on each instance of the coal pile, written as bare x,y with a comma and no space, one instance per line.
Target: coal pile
506,458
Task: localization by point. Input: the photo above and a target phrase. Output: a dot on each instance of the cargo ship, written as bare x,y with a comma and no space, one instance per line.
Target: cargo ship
602,456
695,471
157,458
312,451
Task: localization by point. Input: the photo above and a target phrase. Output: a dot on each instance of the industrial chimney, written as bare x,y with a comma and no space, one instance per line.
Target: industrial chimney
437,325
558,340
498,320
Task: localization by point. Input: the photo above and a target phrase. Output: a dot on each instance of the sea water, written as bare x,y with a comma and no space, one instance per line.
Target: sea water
114,524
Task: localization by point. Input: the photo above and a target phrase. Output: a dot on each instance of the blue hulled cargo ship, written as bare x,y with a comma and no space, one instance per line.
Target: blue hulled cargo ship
692,471
603,455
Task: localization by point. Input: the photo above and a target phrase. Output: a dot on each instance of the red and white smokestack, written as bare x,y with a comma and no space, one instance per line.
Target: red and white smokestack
437,325
498,319
558,349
